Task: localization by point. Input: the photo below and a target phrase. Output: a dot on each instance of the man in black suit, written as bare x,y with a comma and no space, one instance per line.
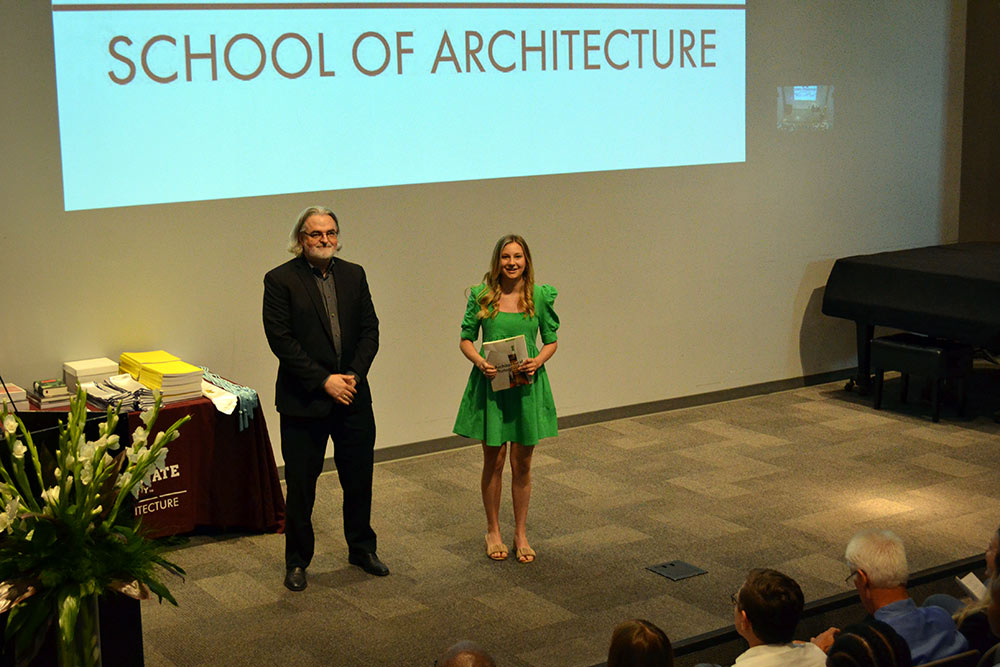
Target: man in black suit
321,324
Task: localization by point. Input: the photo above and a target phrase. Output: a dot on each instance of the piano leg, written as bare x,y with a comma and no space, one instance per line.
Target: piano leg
863,381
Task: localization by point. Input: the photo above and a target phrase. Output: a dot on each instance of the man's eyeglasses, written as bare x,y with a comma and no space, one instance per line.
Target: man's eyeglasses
850,577
735,600
316,236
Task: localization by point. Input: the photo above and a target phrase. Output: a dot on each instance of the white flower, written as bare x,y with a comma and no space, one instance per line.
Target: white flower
113,442
19,449
87,473
161,459
107,460
58,473
146,417
9,424
87,450
140,435
51,495
8,516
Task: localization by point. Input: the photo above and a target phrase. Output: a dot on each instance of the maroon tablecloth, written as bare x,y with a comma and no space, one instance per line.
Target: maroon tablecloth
216,475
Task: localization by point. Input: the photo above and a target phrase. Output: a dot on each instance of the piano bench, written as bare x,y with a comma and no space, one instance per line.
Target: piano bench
935,358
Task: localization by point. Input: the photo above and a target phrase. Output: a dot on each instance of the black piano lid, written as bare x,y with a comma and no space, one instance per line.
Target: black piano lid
951,291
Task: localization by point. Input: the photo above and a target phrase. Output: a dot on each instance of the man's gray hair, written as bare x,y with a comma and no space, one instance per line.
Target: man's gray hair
880,554
294,239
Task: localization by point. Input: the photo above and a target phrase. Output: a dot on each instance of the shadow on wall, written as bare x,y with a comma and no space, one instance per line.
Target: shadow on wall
825,343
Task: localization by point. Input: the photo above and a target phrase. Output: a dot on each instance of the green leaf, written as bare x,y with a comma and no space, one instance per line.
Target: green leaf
27,624
161,592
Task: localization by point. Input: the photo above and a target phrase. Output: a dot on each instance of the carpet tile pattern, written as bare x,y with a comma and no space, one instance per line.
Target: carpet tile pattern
781,480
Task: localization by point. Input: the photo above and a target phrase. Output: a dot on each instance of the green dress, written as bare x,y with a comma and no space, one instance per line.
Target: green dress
524,414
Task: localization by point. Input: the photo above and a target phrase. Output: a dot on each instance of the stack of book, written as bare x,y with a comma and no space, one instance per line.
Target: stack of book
17,394
131,362
176,380
88,370
47,394
142,396
102,394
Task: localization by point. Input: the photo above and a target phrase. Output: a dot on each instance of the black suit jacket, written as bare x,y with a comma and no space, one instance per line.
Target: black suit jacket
298,331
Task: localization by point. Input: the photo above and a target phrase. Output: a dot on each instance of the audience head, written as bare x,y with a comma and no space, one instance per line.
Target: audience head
768,607
871,644
465,654
993,609
639,643
879,558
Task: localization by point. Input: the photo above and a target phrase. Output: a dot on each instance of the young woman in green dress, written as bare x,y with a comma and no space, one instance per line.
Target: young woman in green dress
508,303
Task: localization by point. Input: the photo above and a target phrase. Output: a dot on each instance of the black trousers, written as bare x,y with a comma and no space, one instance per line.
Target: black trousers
303,446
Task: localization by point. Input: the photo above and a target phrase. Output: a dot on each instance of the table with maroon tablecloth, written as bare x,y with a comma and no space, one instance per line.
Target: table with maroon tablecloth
216,476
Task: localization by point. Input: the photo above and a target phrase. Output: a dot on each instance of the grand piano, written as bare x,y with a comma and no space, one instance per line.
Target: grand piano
948,291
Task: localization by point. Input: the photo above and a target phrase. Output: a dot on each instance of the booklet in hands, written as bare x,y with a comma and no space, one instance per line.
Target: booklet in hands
506,356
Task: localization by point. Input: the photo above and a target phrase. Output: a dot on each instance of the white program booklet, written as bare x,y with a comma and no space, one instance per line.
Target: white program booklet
506,355
970,584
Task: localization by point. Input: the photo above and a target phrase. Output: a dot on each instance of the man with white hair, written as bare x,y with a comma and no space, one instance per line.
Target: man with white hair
879,570
321,325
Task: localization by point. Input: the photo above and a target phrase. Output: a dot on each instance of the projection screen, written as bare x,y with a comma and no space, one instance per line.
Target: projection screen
181,101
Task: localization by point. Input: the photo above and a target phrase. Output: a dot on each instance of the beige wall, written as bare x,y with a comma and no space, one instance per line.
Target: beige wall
979,210
672,281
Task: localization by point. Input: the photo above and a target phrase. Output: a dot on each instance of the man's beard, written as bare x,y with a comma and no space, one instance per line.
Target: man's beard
319,253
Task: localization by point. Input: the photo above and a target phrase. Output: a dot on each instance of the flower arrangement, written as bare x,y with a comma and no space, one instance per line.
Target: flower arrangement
63,538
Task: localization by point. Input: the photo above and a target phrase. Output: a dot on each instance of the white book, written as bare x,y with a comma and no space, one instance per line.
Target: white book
126,382
506,355
97,366
16,393
971,584
87,370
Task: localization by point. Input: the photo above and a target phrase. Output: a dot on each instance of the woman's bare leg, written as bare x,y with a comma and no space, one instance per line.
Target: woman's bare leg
492,486
520,468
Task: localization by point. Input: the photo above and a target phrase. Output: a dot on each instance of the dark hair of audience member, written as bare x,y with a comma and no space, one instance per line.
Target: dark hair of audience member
639,643
773,604
871,644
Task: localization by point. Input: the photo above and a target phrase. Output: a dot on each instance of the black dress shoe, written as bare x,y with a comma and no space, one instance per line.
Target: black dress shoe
295,578
369,562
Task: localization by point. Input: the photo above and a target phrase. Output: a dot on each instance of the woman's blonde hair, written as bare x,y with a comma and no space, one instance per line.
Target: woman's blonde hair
976,606
489,298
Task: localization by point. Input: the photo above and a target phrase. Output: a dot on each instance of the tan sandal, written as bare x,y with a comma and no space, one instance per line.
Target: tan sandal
525,552
494,551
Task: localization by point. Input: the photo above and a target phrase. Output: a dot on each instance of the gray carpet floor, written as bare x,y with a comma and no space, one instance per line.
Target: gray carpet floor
781,480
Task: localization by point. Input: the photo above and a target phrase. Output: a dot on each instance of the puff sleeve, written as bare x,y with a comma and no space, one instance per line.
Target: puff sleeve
548,321
471,321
